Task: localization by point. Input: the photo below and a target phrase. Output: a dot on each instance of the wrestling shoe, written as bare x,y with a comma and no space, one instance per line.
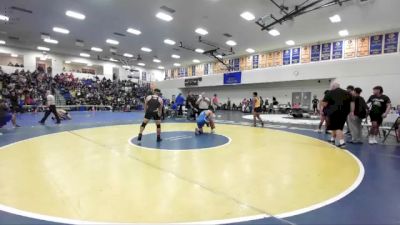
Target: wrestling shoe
139,138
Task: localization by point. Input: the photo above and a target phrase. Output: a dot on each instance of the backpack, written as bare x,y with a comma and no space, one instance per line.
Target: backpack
362,114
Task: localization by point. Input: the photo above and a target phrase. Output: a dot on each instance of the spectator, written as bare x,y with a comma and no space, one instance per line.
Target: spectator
191,105
357,114
215,102
203,103
380,107
180,101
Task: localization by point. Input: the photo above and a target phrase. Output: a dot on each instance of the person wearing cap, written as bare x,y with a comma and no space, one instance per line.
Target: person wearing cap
153,106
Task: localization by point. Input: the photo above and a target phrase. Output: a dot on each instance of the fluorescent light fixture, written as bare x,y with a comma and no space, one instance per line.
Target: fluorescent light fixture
67,62
231,43
141,64
84,55
14,55
335,19
169,42
112,42
75,15
89,64
199,50
177,64
290,42
4,51
113,60
196,60
96,49
128,55
176,56
248,16
2,42
344,33
219,56
201,31
274,32
126,67
146,49
164,16
133,31
60,30
41,48
250,50
51,41
156,60
4,18
161,67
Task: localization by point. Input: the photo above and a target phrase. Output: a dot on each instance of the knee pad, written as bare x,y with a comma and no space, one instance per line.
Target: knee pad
144,125
158,126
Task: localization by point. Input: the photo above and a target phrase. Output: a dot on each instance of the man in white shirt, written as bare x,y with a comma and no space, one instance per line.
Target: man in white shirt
51,108
203,103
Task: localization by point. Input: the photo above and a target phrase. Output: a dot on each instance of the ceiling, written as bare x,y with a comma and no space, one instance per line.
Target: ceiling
104,17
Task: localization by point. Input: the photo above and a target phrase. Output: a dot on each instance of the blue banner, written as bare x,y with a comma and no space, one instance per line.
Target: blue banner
193,70
206,69
295,55
286,57
391,42
326,51
315,53
236,64
376,44
233,78
337,50
182,72
255,61
144,76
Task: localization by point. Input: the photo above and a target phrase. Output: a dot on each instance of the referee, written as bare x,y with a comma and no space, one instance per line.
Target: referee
51,104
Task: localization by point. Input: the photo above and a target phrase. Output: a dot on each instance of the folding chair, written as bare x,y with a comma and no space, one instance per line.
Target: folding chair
395,119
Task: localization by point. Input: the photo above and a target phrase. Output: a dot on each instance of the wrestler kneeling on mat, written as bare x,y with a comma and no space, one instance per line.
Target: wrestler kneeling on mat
153,106
205,117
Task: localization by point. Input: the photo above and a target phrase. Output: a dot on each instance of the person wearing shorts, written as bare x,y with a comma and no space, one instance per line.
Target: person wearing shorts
323,111
205,118
153,106
380,107
257,109
5,116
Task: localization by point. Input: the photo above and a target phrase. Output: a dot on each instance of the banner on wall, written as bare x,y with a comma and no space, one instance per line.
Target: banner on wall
376,44
270,59
206,69
286,57
243,63
192,82
363,46
144,76
236,64
315,53
263,60
193,71
326,51
337,50
199,69
349,48
255,61
295,56
232,78
305,54
391,42
278,60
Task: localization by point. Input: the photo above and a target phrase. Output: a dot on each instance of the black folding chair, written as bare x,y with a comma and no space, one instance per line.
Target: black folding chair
394,127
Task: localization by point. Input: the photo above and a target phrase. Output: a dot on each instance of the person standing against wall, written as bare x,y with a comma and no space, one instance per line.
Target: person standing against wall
191,106
380,107
215,102
180,101
357,114
203,103
51,108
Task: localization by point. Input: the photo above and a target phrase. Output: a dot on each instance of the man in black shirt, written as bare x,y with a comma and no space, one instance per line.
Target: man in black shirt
380,107
357,114
191,105
15,107
315,102
338,102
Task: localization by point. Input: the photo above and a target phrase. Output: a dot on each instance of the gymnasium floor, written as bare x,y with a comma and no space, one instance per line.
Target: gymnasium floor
92,170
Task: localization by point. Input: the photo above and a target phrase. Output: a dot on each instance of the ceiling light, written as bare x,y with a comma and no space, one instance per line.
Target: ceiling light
250,50
84,55
163,16
96,49
248,16
2,42
175,56
177,64
133,31
128,55
335,19
156,60
126,67
201,31
51,41
231,43
274,32
219,56
196,60
67,62
14,55
43,48
89,64
169,42
344,33
4,18
199,50
141,64
113,60
146,49
112,42
60,30
75,15
161,67
290,42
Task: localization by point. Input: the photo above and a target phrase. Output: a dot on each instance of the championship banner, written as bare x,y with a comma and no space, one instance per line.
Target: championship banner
376,45
255,61
263,60
315,53
199,70
193,73
295,56
192,82
305,54
326,51
337,50
278,60
182,72
206,69
218,68
286,57
189,71
232,78
391,42
144,76
363,46
349,48
270,59
236,64
243,63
